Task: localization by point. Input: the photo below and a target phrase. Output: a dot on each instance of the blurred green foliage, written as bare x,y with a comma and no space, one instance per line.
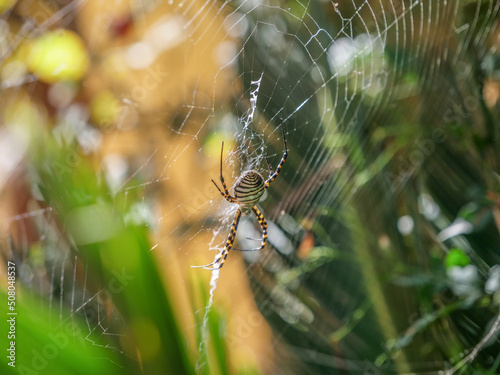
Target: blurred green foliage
120,275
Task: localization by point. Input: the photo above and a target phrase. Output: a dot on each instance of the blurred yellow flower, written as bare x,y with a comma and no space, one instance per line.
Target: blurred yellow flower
58,55
105,109
6,5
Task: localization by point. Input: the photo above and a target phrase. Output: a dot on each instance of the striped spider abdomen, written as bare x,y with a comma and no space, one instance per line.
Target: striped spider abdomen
248,189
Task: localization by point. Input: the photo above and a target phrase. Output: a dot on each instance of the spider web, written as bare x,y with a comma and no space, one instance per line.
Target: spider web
326,72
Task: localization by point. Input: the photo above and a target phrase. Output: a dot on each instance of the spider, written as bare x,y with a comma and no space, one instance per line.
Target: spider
248,190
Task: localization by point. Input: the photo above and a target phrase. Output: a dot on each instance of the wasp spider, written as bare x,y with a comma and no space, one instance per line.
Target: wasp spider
248,190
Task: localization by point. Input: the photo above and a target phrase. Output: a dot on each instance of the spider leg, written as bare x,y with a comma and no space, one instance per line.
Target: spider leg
263,224
227,197
221,258
272,176
224,193
269,165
